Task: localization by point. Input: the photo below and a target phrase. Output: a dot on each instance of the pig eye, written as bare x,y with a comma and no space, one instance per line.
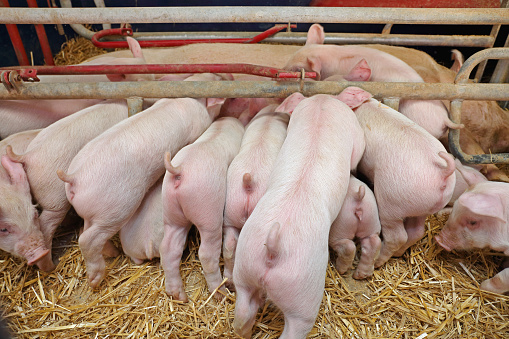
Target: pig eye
4,230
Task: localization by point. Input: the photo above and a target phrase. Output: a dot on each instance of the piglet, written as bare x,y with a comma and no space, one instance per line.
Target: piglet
282,251
20,115
194,192
248,176
358,218
479,220
127,160
33,173
358,63
412,174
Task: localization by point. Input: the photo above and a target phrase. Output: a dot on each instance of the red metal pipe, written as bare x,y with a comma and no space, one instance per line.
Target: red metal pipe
170,43
16,41
43,39
270,72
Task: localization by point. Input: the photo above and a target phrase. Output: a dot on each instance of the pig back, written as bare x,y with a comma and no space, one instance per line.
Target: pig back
56,145
129,156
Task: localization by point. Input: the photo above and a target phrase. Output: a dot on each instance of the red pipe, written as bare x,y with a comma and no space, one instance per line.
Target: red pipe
43,39
16,41
170,43
270,72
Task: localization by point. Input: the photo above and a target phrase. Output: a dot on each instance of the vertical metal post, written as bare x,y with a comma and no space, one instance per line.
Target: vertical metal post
391,102
43,38
16,41
134,105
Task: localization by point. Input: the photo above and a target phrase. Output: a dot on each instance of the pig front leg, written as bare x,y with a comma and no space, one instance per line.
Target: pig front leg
394,237
171,249
498,284
415,229
345,249
92,243
370,249
231,236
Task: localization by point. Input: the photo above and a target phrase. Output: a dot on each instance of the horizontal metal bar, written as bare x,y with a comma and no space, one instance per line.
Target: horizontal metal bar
274,14
250,89
270,72
335,38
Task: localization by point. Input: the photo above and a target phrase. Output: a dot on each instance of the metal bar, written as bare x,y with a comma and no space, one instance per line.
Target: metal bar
454,143
174,42
271,72
43,38
257,89
333,38
296,14
16,41
492,53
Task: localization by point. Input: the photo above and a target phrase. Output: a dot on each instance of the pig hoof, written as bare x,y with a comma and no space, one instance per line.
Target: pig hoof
361,275
95,280
180,295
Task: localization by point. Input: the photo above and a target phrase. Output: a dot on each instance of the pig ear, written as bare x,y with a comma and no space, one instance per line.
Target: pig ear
470,174
214,101
135,48
289,104
483,205
16,173
360,72
353,96
316,35
315,65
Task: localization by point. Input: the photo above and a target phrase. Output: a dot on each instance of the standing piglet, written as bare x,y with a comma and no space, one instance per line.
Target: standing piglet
108,178
282,251
248,176
412,174
34,174
358,63
194,192
479,220
358,218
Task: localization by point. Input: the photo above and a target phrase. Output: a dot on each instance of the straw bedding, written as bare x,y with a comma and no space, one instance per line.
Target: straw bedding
427,293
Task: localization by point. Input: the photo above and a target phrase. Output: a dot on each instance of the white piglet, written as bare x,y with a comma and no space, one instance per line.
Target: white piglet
412,174
358,218
248,176
282,251
194,192
35,170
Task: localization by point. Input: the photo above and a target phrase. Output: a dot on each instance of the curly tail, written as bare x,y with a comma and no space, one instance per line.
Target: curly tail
169,167
272,244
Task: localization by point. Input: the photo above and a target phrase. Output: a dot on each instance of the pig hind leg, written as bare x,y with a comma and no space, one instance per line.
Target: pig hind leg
92,243
171,249
394,237
498,284
247,303
415,228
210,252
231,236
370,249
345,249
